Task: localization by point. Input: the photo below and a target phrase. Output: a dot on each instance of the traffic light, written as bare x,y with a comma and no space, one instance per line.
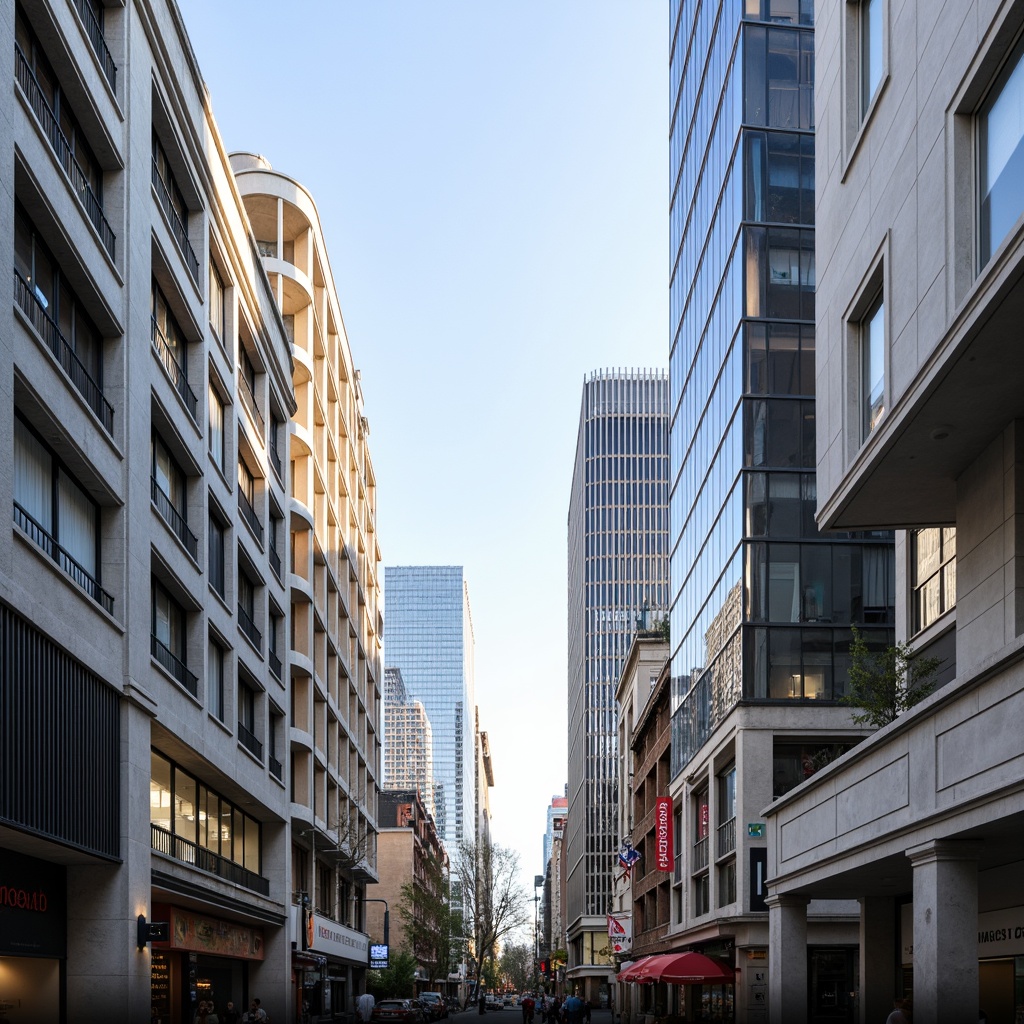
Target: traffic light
544,968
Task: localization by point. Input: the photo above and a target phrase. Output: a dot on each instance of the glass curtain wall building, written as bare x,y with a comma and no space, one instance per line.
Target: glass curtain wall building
762,604
428,638
618,572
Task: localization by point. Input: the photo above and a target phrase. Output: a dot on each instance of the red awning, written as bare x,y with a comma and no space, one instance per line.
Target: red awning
687,968
629,973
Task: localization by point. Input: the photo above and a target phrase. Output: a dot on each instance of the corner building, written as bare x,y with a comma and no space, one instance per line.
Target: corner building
333,743
618,577
762,603
143,367
920,301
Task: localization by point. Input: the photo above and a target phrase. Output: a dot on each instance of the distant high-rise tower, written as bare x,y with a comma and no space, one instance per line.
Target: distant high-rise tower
428,634
408,742
618,580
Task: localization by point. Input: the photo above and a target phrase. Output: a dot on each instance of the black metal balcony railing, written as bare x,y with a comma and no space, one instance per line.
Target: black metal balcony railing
275,664
275,561
174,519
700,855
62,150
170,661
275,458
249,401
178,229
249,628
727,837
199,857
48,330
275,767
174,370
249,515
94,31
81,576
249,741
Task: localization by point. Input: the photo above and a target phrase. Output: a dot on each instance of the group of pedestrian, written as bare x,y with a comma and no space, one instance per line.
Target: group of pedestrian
573,1011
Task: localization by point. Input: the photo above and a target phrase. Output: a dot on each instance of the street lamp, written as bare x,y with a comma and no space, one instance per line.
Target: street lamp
538,881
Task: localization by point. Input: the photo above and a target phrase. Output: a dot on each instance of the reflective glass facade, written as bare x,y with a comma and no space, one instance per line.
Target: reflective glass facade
618,567
428,637
761,603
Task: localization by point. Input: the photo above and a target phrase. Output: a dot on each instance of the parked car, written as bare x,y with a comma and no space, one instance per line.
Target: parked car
398,1011
434,1004
493,1002
508,999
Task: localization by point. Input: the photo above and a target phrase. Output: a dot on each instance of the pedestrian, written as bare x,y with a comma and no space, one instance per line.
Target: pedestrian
542,1007
574,1009
364,1007
211,1013
231,1015
481,1002
528,1005
586,1011
257,1015
901,1012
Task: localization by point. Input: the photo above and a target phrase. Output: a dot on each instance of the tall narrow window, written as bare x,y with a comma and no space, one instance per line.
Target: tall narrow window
872,356
216,555
1001,155
216,428
932,574
216,302
871,15
215,679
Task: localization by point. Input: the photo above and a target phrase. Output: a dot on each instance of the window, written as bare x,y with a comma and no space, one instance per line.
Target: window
872,367
727,884
56,512
870,17
172,202
247,608
933,574
216,302
1001,155
701,896
247,719
215,679
171,346
168,491
216,429
168,627
216,554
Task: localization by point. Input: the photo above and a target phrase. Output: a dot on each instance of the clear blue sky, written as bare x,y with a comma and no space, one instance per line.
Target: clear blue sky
492,179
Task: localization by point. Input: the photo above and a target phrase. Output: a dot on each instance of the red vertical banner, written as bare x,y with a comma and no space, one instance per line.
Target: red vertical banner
663,856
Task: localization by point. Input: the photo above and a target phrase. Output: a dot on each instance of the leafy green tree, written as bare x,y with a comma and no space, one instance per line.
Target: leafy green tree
516,966
884,684
398,981
425,909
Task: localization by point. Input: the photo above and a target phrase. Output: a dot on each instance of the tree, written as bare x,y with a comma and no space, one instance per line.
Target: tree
425,909
493,899
398,981
516,966
884,684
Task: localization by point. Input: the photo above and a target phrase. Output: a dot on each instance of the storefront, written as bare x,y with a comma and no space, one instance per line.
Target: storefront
33,939
204,958
328,975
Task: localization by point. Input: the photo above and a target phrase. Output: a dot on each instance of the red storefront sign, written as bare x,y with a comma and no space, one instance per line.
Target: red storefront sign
663,833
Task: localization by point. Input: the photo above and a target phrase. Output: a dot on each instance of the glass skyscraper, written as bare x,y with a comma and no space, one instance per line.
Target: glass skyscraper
762,604
618,580
428,637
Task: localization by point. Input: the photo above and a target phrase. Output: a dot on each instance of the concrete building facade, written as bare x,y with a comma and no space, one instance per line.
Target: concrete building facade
920,256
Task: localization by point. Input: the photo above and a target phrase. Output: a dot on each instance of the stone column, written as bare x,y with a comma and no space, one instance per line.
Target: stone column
878,942
787,959
945,931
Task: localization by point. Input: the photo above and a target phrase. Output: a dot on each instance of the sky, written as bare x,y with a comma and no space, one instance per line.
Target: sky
492,182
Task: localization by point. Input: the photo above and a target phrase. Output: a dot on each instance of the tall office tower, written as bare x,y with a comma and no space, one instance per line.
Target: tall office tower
762,604
618,580
142,714
408,741
556,812
428,634
329,526
920,305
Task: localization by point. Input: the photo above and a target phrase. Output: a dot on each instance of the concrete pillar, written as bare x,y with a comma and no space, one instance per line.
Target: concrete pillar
787,959
945,931
878,947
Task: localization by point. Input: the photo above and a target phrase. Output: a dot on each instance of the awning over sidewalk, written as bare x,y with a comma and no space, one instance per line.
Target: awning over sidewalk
687,968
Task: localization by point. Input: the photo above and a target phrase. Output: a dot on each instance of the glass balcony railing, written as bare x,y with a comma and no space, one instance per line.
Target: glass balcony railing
81,576
62,150
174,370
48,330
174,519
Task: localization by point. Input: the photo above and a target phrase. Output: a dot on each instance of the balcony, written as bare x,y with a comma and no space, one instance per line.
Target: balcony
94,31
700,855
45,542
174,370
249,515
177,228
173,664
275,664
174,519
249,401
48,330
276,769
248,627
275,561
248,740
62,150
187,852
726,837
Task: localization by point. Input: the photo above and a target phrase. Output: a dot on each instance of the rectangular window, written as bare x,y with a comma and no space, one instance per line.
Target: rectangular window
168,475
216,302
216,429
216,555
933,574
215,679
168,622
871,60
872,367
1001,155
